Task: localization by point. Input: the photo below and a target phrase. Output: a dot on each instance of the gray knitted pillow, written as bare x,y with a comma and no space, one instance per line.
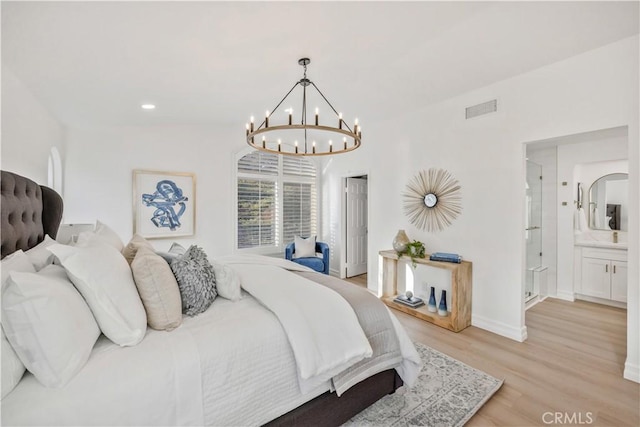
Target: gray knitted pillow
196,280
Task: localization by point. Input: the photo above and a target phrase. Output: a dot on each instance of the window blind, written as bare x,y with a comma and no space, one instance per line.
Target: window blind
298,166
277,199
299,211
259,162
257,213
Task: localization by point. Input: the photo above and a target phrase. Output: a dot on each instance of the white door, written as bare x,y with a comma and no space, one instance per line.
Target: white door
356,226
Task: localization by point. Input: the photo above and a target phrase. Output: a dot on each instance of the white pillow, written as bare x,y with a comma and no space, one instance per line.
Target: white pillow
227,281
39,256
104,279
17,261
12,367
103,234
49,324
304,247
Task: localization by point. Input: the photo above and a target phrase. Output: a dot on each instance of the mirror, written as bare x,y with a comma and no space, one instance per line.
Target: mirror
430,200
608,202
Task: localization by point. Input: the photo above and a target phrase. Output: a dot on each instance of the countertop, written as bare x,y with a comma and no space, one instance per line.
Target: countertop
602,244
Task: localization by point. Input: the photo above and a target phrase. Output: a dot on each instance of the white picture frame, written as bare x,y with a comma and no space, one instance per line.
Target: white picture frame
164,204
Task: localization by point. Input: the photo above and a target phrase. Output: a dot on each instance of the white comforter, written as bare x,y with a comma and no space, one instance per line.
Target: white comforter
325,341
232,365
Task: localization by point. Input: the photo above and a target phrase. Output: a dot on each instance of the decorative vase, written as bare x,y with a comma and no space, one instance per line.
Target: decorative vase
442,308
432,301
400,242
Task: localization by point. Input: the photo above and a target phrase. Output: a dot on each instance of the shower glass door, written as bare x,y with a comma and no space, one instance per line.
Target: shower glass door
533,227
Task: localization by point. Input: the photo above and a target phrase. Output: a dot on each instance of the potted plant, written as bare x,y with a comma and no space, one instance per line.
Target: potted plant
414,250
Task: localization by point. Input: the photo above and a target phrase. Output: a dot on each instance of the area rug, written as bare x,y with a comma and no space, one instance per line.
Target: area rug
447,394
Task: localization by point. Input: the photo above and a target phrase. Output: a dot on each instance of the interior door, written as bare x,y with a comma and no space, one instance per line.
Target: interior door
356,226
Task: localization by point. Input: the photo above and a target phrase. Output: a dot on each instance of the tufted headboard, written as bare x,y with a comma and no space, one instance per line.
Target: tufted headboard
29,212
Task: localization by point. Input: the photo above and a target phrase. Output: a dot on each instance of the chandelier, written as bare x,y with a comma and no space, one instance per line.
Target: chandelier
304,138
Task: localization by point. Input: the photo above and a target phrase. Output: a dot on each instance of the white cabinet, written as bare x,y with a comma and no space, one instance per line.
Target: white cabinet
619,281
602,273
596,279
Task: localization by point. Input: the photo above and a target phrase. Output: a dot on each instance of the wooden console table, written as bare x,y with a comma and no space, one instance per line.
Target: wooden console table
460,315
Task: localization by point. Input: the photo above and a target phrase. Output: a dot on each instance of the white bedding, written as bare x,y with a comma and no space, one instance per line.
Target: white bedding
324,342
256,274
183,377
146,385
231,365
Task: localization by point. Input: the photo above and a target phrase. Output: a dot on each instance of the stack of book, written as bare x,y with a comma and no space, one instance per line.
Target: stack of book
411,302
446,257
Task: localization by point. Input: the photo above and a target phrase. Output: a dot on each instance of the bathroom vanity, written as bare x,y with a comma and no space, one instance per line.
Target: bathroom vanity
600,245
600,271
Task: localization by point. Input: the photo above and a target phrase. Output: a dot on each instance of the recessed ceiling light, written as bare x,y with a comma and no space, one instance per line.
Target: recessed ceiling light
148,107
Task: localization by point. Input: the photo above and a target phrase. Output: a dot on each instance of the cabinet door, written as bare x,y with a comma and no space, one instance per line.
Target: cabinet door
596,277
619,281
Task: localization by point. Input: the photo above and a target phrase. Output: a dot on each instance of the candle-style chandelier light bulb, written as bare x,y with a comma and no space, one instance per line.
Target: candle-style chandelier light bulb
320,131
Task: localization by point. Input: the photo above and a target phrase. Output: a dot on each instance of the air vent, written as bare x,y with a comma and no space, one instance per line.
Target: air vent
480,109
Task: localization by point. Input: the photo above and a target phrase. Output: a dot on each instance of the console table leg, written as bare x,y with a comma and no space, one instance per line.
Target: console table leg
389,277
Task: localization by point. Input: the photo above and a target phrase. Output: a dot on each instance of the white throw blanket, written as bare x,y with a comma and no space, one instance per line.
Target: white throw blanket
411,363
322,327
252,259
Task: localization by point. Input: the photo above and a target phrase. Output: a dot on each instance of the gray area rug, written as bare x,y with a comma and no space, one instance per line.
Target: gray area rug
446,394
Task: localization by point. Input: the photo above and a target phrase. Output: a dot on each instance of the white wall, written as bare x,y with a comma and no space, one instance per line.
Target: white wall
28,131
595,90
100,166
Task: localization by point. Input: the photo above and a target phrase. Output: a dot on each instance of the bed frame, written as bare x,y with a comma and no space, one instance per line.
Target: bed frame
31,211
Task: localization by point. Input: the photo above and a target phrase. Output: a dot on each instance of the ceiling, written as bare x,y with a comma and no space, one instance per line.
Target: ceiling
95,63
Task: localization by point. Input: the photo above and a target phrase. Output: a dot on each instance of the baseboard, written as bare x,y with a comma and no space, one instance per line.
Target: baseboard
611,303
500,328
564,295
532,302
632,372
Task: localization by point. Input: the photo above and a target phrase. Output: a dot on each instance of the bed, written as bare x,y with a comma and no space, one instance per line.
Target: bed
237,363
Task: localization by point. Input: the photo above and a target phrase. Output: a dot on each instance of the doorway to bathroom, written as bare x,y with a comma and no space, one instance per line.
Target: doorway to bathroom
562,205
580,246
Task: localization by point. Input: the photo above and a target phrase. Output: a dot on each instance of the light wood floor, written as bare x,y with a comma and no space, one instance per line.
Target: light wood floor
360,280
571,363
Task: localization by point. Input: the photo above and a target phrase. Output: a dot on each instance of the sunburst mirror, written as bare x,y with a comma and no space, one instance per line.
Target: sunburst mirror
432,199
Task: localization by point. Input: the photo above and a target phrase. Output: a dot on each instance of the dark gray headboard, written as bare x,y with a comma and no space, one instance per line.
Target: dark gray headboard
29,212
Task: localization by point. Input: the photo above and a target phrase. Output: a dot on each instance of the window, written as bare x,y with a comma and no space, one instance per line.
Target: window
276,200
54,171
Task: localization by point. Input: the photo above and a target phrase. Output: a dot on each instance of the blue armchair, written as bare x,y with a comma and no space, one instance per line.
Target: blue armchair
318,264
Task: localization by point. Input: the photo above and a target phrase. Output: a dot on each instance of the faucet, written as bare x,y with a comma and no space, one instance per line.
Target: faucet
615,237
